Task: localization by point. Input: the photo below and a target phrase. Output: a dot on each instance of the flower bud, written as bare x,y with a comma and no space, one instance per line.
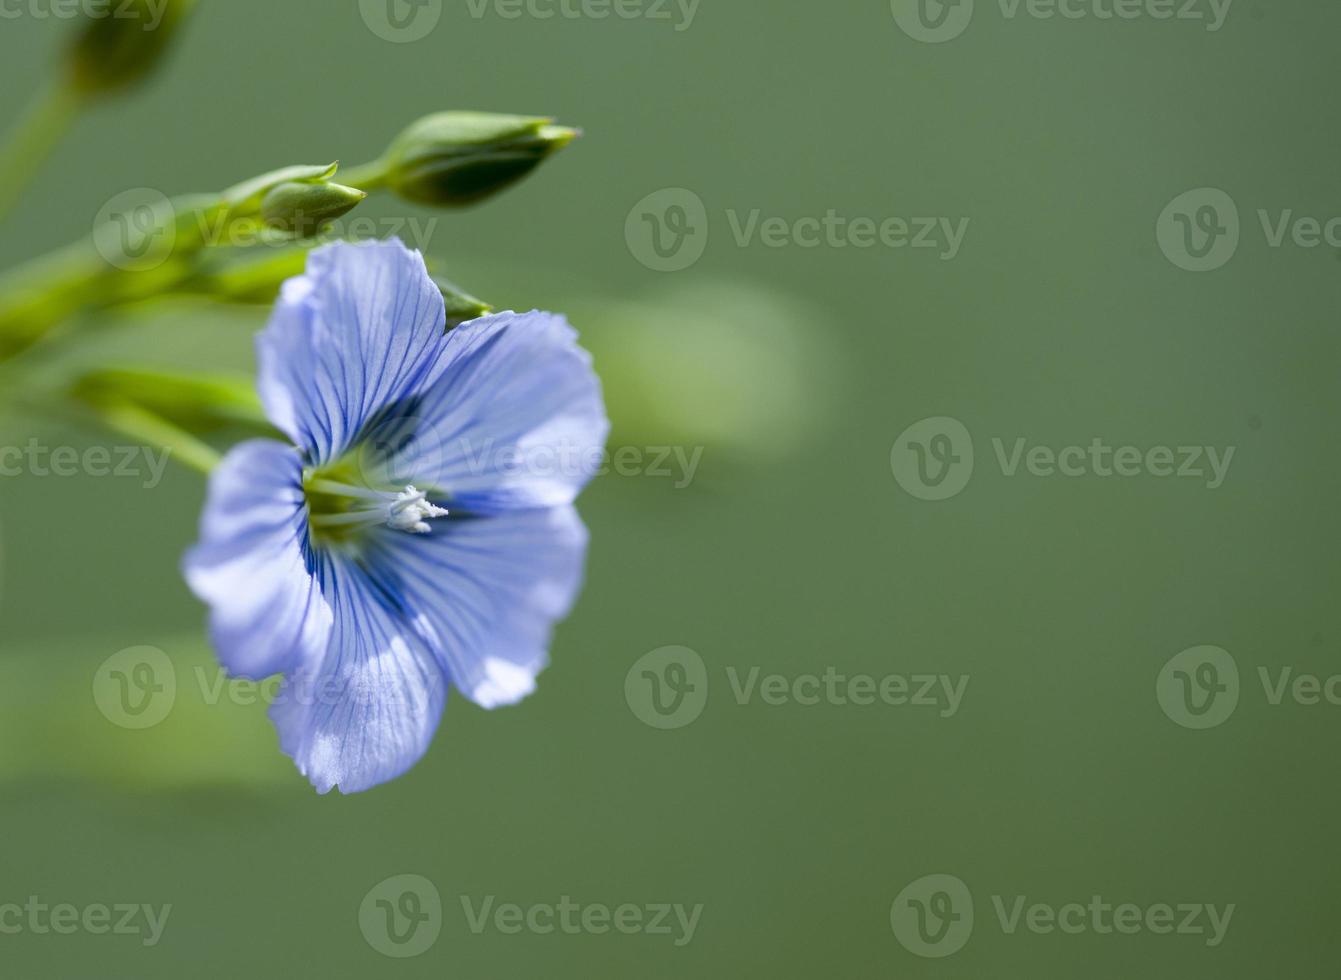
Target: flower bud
453,159
303,209
122,42
460,306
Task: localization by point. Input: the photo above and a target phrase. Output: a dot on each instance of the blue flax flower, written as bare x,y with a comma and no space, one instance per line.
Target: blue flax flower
421,534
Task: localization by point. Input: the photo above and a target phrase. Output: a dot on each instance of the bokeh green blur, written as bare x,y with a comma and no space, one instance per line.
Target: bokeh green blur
794,549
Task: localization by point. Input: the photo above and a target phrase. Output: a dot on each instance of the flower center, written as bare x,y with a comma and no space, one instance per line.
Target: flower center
339,509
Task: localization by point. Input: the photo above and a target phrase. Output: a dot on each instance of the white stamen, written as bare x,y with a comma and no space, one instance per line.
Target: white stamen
411,510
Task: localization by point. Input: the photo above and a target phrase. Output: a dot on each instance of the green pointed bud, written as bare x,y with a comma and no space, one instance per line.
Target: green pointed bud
461,306
121,42
304,209
245,198
453,159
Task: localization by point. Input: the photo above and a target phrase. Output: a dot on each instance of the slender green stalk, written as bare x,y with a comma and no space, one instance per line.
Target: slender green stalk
33,138
366,177
19,394
136,423
48,290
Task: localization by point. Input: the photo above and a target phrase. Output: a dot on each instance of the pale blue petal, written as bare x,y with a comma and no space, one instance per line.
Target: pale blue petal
515,420
486,592
253,564
367,711
360,331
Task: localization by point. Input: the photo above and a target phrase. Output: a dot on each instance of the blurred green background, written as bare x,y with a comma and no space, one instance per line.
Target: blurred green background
793,549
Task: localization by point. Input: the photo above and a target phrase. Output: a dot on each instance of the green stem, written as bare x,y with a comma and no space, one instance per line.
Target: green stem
369,177
33,138
133,421
18,394
39,295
